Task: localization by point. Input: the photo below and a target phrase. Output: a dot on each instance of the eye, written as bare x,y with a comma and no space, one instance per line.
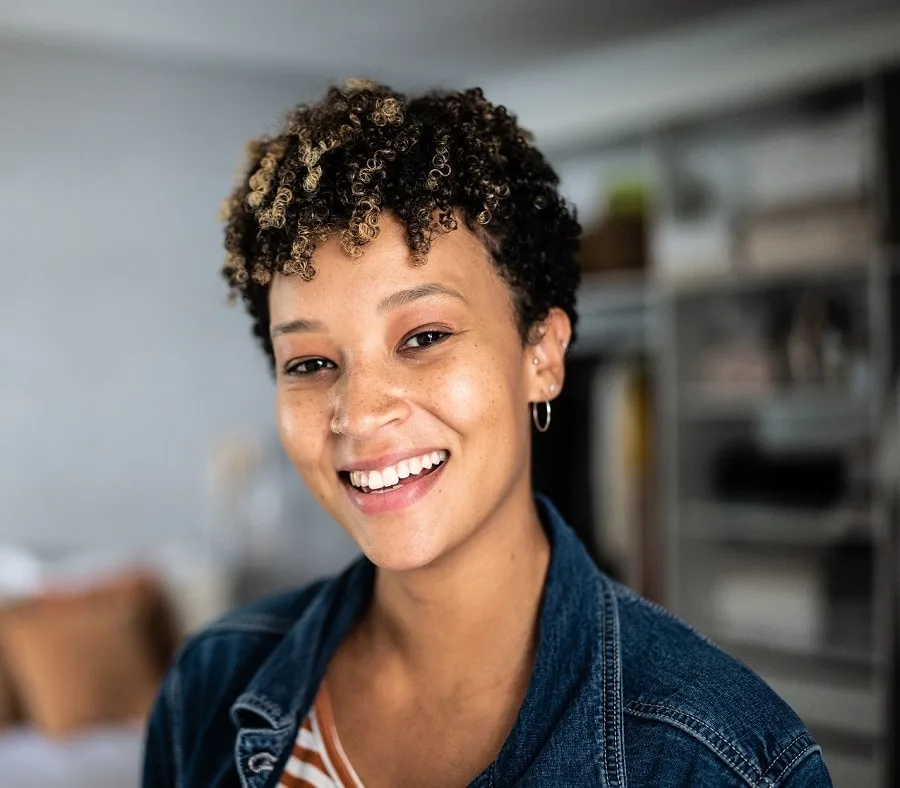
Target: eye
425,339
307,366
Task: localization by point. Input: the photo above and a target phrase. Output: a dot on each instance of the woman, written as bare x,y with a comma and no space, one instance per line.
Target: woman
409,268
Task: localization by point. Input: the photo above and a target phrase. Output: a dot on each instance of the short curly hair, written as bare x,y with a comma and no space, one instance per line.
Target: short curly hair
336,165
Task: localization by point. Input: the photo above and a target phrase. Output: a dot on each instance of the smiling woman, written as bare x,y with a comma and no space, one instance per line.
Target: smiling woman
405,370
409,268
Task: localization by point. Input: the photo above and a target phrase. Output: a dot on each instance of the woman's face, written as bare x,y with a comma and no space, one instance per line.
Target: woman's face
403,391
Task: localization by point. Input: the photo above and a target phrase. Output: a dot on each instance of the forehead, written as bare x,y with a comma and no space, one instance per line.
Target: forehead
458,259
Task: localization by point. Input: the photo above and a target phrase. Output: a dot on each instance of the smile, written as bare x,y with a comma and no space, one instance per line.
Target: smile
393,477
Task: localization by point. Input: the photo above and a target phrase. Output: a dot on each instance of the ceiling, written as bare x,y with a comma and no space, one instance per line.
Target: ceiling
404,41
577,72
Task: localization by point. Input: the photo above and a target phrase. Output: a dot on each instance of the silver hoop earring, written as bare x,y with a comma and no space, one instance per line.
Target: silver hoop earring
334,426
536,419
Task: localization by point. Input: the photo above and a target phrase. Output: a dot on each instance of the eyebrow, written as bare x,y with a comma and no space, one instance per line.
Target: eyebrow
394,301
297,327
403,297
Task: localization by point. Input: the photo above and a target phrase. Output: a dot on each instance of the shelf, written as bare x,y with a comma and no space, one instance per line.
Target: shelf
759,653
743,279
765,525
617,310
613,313
791,412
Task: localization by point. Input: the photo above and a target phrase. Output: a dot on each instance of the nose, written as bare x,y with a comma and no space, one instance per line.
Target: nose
368,399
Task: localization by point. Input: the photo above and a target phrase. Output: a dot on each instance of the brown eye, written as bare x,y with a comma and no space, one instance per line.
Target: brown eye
307,366
425,339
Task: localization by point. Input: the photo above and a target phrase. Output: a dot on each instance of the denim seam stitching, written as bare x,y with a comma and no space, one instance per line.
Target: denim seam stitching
604,607
799,737
603,694
800,756
724,741
619,716
614,646
684,720
271,712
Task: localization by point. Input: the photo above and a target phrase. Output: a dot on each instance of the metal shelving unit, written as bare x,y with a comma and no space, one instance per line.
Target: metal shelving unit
838,678
727,548
613,312
812,583
802,590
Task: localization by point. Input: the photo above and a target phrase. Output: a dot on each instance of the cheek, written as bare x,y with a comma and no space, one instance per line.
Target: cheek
482,395
300,428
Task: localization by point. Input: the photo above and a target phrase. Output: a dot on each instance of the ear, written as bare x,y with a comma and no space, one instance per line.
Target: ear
547,342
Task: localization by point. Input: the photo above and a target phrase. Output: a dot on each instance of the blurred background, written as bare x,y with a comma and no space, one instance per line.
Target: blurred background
727,440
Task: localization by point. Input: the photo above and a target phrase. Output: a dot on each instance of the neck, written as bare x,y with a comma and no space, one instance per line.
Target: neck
478,607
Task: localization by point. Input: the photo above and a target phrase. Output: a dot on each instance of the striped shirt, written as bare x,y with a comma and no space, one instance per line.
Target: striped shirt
318,759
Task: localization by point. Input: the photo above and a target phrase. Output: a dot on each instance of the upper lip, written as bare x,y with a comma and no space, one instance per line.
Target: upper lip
383,460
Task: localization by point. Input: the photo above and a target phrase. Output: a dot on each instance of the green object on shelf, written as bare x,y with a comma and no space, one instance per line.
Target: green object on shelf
628,198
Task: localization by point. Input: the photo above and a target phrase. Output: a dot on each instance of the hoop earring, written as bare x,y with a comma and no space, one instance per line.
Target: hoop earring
536,419
334,426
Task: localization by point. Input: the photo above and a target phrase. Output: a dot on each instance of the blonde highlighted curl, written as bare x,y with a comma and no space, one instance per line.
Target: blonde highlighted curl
337,165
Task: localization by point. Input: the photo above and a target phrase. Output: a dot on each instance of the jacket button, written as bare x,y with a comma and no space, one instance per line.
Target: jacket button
262,762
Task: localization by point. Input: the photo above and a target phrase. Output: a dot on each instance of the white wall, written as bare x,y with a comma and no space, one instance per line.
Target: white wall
120,362
120,365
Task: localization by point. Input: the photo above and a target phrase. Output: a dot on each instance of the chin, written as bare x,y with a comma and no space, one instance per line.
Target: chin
396,553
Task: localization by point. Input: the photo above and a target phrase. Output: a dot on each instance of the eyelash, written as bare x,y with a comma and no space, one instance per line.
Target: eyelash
441,336
294,368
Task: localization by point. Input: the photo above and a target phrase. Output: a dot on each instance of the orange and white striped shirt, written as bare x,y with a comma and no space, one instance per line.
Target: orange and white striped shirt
318,759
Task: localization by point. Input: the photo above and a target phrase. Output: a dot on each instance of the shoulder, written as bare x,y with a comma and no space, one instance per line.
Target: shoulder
190,728
248,633
705,709
214,665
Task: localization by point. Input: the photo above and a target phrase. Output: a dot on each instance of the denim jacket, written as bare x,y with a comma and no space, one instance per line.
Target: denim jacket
622,693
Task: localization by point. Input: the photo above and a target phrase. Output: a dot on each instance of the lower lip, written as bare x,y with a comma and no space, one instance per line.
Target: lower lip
393,500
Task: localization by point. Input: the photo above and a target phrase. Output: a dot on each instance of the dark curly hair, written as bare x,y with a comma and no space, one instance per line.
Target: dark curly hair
431,160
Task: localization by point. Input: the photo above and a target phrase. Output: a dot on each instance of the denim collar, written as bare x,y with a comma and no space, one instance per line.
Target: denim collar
576,681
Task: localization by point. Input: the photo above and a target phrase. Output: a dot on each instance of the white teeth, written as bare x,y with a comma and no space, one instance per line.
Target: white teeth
392,474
